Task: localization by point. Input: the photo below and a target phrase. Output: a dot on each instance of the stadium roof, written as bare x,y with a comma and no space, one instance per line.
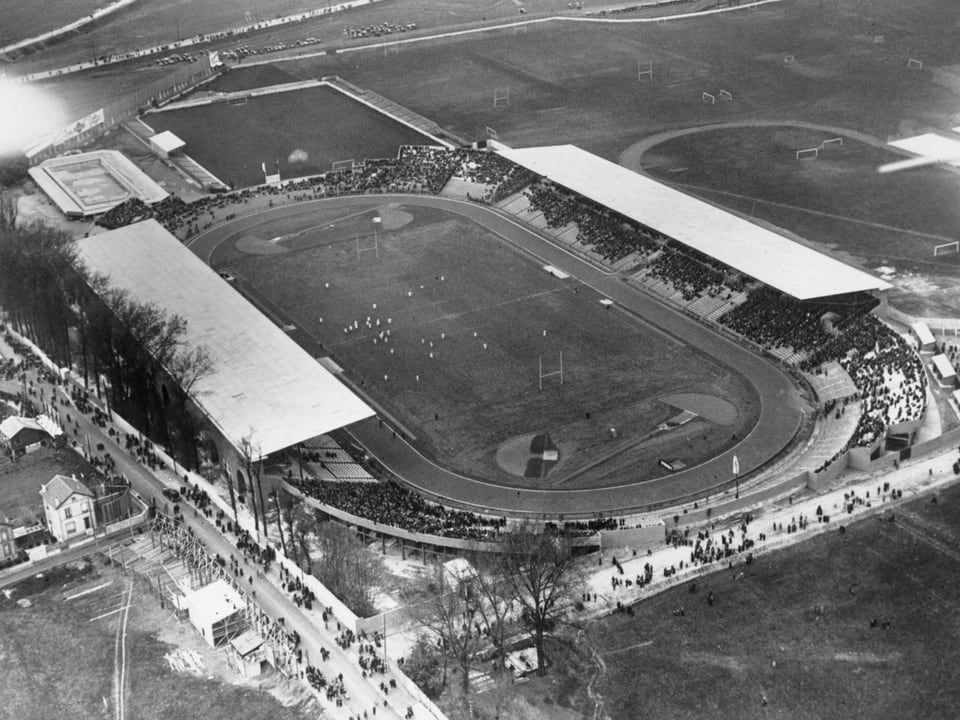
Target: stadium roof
752,249
943,148
263,384
166,141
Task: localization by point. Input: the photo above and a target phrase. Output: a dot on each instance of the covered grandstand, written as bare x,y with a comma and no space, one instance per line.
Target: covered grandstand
90,184
263,385
755,251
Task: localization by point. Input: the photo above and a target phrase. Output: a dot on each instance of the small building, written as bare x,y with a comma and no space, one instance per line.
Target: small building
217,611
8,545
247,654
22,434
166,143
944,370
68,505
925,340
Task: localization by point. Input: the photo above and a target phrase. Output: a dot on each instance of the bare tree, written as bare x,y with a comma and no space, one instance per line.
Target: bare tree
538,570
453,616
496,605
347,567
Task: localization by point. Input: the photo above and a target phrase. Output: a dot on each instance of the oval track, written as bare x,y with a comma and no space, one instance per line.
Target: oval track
780,403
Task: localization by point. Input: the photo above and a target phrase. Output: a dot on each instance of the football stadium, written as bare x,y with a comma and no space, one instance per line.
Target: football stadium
633,276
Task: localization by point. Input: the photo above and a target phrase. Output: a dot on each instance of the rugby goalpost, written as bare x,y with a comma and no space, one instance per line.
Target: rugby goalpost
644,69
501,96
375,248
553,373
946,248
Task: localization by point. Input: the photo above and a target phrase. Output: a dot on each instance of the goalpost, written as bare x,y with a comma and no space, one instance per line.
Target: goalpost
501,96
708,98
946,248
375,248
490,132
808,154
644,69
725,95
554,373
391,49
789,59
836,142
914,64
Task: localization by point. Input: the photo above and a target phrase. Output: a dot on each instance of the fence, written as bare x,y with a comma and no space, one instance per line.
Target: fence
78,134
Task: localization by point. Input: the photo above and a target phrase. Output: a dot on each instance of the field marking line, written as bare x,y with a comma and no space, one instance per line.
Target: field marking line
107,614
88,591
920,529
645,643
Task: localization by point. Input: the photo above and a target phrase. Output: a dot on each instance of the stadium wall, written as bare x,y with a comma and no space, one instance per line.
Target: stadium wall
81,133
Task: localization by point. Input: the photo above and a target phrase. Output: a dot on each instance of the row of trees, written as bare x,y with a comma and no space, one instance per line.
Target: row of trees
122,348
527,587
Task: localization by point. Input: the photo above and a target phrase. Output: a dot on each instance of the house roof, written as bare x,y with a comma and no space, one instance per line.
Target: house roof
263,385
15,424
246,642
761,253
214,602
60,488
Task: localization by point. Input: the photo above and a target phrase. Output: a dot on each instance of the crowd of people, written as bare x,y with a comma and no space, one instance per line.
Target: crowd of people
391,504
772,319
890,378
611,235
691,272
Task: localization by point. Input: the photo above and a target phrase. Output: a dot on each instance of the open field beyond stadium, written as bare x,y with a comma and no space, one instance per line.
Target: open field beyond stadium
764,639
305,131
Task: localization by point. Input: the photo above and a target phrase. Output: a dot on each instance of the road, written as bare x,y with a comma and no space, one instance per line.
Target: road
362,692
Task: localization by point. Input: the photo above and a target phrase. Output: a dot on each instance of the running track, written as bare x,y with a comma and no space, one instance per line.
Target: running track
780,404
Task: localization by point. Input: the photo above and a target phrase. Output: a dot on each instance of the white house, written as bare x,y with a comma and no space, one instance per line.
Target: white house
68,505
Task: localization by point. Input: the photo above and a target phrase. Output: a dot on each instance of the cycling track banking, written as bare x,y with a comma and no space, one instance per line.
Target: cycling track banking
780,403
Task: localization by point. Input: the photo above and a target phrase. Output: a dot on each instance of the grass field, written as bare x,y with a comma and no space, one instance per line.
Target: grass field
441,279
322,125
22,20
763,636
58,658
755,170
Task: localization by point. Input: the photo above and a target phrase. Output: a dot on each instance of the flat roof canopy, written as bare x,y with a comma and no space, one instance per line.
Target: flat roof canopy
756,251
263,384
166,142
942,148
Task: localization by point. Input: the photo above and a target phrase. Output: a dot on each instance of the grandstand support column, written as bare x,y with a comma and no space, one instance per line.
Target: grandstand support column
403,550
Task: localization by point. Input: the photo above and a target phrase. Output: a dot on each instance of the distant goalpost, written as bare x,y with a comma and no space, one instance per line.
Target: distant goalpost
808,153
644,69
725,95
946,248
553,373
391,49
501,96
832,143
914,64
490,133
708,99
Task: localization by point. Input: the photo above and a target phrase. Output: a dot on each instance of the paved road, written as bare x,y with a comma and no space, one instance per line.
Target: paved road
780,403
362,692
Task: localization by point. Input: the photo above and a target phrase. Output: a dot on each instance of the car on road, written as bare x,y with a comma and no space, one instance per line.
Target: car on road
171,494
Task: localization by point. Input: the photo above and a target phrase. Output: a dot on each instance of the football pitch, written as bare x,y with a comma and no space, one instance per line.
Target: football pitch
302,132
452,330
